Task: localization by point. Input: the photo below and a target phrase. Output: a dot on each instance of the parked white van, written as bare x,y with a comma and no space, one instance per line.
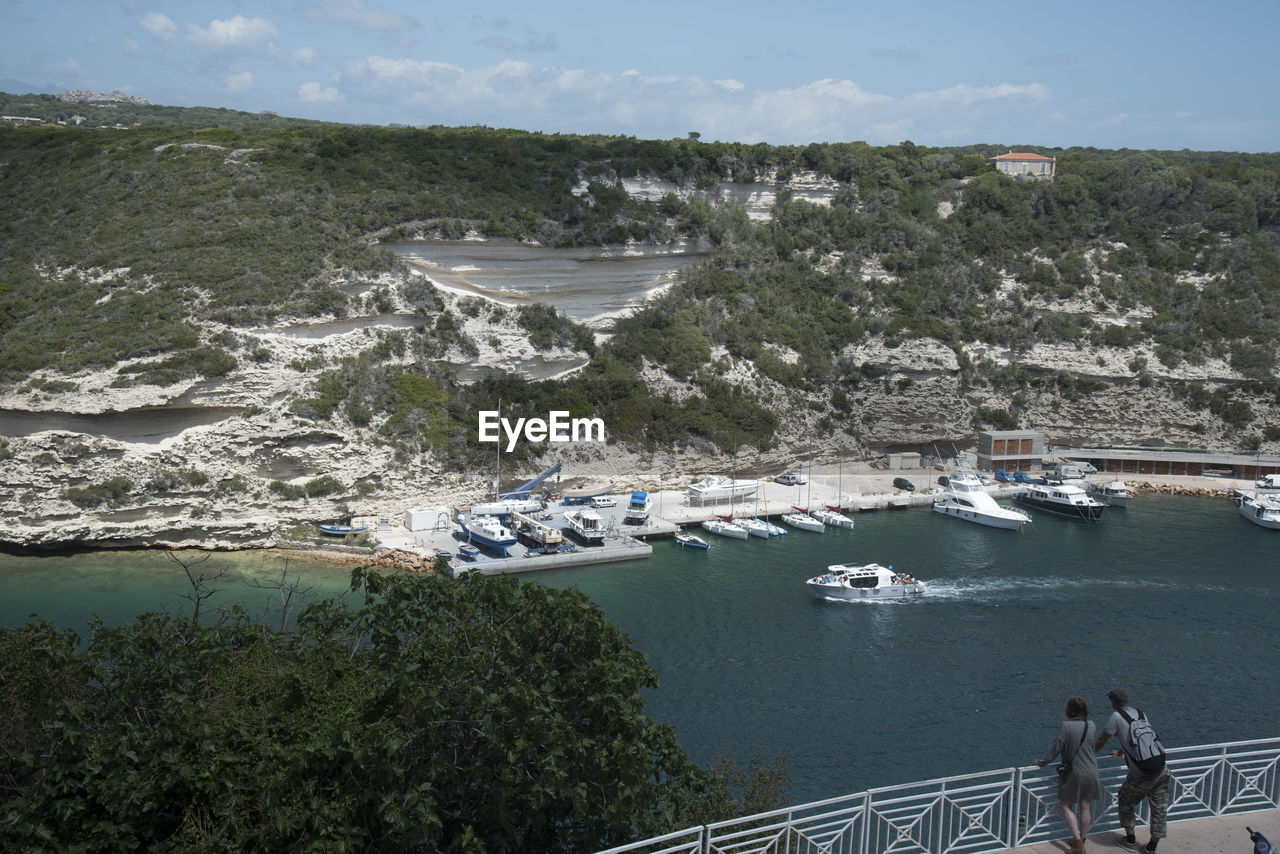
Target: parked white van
602,501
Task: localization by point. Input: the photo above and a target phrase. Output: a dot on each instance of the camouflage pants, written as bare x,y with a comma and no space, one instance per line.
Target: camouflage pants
1156,790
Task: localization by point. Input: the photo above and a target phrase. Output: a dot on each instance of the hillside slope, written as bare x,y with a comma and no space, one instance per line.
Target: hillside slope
873,297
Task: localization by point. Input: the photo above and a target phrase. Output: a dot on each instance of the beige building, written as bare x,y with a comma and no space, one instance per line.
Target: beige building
1023,164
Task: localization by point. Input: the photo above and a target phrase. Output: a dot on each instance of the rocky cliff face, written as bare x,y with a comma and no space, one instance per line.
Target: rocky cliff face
202,463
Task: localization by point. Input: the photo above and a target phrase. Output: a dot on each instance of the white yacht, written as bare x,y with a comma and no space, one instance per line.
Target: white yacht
966,498
586,525
832,518
755,527
1113,493
488,531
1065,499
726,529
504,508
715,488
1261,507
871,581
804,522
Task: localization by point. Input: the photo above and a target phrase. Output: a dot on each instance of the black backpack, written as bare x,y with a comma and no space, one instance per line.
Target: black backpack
1147,754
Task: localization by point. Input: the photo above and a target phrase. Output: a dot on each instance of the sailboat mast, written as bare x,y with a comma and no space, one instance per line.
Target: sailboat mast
497,477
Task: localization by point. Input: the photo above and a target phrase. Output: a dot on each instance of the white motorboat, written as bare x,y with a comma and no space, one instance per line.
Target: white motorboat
715,488
832,518
804,522
638,508
726,529
756,527
586,525
871,581
691,541
1065,499
964,497
1261,507
503,509
488,531
1113,493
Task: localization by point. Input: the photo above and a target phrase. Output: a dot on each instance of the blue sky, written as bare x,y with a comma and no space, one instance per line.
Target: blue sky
1116,74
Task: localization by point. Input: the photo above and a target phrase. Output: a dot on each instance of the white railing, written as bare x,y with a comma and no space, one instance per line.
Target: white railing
981,813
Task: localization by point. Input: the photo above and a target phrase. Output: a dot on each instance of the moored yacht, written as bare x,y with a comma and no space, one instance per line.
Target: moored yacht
755,527
1065,499
1113,493
832,518
804,522
966,498
1261,507
872,581
726,529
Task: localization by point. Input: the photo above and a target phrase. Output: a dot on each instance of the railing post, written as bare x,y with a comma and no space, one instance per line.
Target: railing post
864,842
1015,810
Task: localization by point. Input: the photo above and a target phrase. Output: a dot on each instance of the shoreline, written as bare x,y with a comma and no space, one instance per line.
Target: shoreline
865,485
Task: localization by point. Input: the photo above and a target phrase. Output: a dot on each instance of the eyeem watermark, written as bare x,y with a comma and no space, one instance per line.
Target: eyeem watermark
557,427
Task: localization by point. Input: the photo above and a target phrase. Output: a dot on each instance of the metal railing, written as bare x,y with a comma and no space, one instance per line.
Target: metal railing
981,813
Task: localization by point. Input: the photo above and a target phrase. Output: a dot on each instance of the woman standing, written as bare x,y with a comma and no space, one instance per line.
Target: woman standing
1078,771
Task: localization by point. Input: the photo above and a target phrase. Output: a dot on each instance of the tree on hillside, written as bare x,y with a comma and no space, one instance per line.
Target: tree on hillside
481,714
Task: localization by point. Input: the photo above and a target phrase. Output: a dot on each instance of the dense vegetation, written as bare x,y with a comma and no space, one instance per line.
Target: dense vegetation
473,715
128,244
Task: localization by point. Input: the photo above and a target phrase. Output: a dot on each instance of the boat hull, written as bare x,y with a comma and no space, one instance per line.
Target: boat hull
726,530
1265,512
1008,523
853,594
689,541
804,523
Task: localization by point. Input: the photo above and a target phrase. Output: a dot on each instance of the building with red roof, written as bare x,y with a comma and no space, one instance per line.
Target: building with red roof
1024,164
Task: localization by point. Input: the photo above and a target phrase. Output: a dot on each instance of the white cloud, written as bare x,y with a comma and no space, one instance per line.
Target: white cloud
232,33
241,82
520,94
160,26
359,14
303,57
317,93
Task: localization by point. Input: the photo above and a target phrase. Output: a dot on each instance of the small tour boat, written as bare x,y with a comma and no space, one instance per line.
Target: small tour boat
870,581
690,541
725,529
965,497
1065,499
466,551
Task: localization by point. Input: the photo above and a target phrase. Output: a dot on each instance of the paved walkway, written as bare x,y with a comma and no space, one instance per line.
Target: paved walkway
1225,835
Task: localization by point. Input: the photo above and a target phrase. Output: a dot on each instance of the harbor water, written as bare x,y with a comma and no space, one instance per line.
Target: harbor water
1173,598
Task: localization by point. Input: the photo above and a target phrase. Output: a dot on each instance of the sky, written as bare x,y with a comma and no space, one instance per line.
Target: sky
1116,74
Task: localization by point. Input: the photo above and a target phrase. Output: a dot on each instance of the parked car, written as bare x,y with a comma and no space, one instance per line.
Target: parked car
603,501
1004,476
943,480
791,478
903,483
1022,477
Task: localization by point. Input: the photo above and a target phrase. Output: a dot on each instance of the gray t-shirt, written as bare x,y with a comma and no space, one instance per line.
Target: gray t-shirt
1119,727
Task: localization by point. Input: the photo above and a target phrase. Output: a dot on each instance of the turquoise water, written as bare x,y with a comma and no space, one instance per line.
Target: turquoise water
1174,599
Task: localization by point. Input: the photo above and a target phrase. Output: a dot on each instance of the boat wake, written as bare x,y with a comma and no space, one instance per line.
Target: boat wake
992,588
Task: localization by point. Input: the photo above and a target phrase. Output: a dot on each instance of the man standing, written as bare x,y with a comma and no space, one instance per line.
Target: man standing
1148,777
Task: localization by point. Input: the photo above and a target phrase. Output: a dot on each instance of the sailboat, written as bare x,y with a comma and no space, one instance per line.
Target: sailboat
802,519
774,530
831,514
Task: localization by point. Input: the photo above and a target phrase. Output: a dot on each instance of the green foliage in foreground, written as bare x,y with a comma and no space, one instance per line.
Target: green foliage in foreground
474,715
